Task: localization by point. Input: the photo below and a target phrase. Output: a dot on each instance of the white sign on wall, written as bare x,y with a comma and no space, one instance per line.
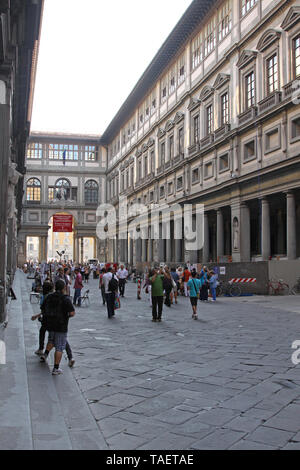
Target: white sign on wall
2,92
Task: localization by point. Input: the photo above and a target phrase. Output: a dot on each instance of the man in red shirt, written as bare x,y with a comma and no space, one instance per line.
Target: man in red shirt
78,287
186,276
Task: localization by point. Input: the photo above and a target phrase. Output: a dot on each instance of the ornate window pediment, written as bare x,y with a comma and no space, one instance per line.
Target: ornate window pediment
138,152
206,93
267,39
292,18
161,132
144,147
194,103
151,142
221,79
178,117
246,57
169,125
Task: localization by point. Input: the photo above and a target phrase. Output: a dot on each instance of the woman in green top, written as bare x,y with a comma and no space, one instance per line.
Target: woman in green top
157,292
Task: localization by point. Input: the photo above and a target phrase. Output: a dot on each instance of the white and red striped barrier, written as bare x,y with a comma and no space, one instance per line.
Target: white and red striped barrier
242,279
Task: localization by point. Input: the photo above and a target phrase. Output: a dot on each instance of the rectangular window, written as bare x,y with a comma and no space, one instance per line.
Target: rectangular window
181,69
132,176
90,153
162,153
225,21
249,150
151,196
35,150
172,80
208,170
170,188
195,175
179,183
127,179
181,141
152,160
162,192
224,109
250,90
272,74
146,165
247,5
163,88
296,128
224,162
197,51
210,37
139,172
296,50
171,147
209,119
196,129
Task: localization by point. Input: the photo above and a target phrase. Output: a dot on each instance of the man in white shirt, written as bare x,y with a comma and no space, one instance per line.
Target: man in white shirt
122,274
109,294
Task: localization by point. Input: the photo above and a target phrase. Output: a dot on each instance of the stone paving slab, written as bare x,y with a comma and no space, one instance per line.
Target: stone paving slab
223,382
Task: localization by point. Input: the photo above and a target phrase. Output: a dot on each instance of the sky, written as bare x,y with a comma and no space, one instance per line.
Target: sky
92,54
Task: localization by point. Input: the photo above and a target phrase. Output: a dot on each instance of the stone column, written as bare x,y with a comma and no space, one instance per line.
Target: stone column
291,225
205,256
245,233
144,241
130,251
220,233
81,249
138,250
178,242
265,229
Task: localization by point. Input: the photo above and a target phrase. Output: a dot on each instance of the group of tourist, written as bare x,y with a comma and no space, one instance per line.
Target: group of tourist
163,285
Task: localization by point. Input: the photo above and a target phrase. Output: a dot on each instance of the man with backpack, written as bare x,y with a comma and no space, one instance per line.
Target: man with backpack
111,286
56,309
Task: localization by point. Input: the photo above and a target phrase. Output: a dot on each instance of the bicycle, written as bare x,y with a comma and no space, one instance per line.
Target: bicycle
296,289
228,288
279,287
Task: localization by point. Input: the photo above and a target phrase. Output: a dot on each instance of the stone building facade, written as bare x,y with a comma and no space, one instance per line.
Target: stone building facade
66,174
215,120
20,22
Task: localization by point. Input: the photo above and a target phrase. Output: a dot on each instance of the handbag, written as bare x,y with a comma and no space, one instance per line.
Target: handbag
117,302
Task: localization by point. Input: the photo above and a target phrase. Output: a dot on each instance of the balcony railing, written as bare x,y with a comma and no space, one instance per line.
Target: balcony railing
247,115
209,139
269,102
290,88
222,131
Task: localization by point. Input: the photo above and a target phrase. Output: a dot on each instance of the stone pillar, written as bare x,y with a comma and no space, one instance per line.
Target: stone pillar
245,233
178,241
220,233
265,229
138,250
130,251
205,257
81,249
144,243
291,225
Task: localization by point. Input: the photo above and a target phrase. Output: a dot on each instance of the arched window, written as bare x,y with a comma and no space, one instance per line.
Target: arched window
62,189
91,191
33,190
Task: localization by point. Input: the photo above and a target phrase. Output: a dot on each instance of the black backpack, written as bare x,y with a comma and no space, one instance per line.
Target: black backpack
113,284
53,316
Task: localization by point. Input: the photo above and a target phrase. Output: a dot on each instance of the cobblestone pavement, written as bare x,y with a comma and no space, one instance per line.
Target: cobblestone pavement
226,381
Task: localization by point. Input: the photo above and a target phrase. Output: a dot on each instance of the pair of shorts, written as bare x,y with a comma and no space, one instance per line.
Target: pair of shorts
59,340
194,301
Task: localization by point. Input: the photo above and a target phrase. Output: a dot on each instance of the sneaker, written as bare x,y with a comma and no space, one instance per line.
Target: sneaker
195,317
43,358
56,371
71,362
39,352
154,319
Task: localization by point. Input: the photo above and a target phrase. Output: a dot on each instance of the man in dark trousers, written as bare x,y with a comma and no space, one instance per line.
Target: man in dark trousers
56,309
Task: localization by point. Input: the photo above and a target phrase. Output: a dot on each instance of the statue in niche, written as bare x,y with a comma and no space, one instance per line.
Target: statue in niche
13,178
235,234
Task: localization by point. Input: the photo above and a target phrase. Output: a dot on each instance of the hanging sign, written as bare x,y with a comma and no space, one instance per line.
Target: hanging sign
62,223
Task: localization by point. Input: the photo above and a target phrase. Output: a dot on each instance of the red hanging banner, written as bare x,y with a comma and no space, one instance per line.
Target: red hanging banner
62,223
